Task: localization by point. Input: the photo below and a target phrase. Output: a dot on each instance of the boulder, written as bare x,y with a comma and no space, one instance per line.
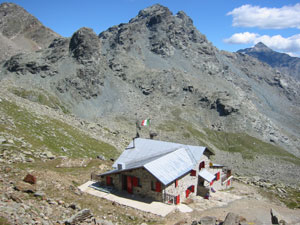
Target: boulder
208,220
15,198
276,218
232,219
25,187
101,157
31,179
2,140
39,194
79,217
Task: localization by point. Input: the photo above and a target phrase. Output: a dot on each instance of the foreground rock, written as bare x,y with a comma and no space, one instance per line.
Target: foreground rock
79,217
31,179
25,187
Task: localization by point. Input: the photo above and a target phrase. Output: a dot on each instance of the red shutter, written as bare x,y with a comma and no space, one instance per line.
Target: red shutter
158,186
193,173
177,199
192,188
187,193
218,176
129,184
108,180
135,181
228,183
176,183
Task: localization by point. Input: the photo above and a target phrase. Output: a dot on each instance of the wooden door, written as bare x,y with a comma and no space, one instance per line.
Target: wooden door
124,182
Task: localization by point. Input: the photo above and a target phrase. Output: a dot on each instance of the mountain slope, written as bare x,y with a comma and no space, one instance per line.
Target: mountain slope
160,66
280,61
21,32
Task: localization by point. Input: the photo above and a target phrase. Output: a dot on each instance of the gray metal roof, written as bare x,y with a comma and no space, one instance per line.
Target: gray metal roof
206,175
166,161
171,166
145,149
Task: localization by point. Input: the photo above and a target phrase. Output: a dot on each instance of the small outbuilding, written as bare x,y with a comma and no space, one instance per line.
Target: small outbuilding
166,171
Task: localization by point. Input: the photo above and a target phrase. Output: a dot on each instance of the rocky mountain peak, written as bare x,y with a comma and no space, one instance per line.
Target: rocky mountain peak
261,47
155,10
21,32
157,29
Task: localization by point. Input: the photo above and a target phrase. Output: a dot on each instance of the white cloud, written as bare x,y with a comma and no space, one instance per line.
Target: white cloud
242,38
267,18
289,45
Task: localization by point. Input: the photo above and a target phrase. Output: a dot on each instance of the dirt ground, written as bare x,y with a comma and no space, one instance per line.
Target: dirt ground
243,200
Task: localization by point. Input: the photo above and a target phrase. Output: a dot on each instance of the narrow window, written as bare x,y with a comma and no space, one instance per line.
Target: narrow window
202,165
152,186
176,183
193,173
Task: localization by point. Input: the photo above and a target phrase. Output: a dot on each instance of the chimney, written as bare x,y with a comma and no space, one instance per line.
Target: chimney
152,135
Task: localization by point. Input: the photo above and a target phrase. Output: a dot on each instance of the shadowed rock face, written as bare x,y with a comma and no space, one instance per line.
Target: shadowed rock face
280,61
85,45
160,66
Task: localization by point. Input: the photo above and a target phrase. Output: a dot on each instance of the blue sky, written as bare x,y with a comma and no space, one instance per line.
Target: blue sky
229,24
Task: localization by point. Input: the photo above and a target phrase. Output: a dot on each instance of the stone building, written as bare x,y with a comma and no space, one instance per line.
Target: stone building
165,171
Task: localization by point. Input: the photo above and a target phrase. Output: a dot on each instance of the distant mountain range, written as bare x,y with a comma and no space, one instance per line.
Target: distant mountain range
280,61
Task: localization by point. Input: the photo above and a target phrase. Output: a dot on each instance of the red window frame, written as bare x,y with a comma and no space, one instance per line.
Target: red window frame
176,183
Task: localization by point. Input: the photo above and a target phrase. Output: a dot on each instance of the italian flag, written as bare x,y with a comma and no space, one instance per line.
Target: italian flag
145,122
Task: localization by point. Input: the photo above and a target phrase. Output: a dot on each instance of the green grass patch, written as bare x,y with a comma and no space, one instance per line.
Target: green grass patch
41,97
4,221
292,200
44,133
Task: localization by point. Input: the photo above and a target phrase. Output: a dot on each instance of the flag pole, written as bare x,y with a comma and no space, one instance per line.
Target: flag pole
149,128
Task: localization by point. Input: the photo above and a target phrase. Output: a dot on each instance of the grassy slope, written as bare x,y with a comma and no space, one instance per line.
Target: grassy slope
40,97
243,143
50,134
